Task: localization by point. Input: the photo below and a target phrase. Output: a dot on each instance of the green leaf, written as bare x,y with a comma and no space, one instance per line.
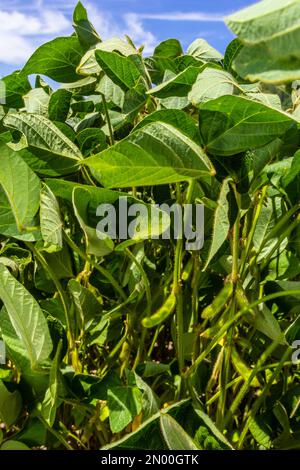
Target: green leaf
21,187
59,105
210,84
178,85
13,445
46,142
37,101
266,323
91,141
232,124
156,154
276,23
261,431
86,303
10,405
175,118
123,71
170,48
124,404
50,219
256,63
212,427
84,86
85,30
150,399
221,224
89,65
291,181
16,86
174,435
111,92
204,51
51,401
57,59
95,245
26,318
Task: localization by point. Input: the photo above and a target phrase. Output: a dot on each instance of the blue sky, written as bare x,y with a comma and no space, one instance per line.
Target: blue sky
26,24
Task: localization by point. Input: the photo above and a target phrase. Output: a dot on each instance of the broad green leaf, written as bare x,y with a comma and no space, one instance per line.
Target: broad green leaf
148,435
176,118
16,86
37,101
211,83
256,63
261,431
57,59
47,142
8,226
86,303
232,124
21,187
212,427
111,92
150,399
51,399
123,71
124,404
266,323
221,224
95,245
50,219
10,405
89,65
269,99
156,154
59,105
291,181
84,86
204,51
174,435
91,141
26,318
273,22
12,445
178,85
169,48
231,52
84,29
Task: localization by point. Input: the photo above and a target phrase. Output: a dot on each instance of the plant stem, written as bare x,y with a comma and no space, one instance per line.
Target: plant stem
230,322
111,132
95,265
146,283
259,400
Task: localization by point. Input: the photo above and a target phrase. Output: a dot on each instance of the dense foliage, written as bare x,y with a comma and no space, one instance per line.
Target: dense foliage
142,344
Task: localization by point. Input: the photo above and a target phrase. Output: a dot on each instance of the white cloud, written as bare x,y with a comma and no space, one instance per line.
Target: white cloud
130,24
183,16
25,26
14,49
47,22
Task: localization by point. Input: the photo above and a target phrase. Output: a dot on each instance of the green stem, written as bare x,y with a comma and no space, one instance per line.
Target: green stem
95,265
259,400
58,286
111,132
146,283
253,228
227,325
